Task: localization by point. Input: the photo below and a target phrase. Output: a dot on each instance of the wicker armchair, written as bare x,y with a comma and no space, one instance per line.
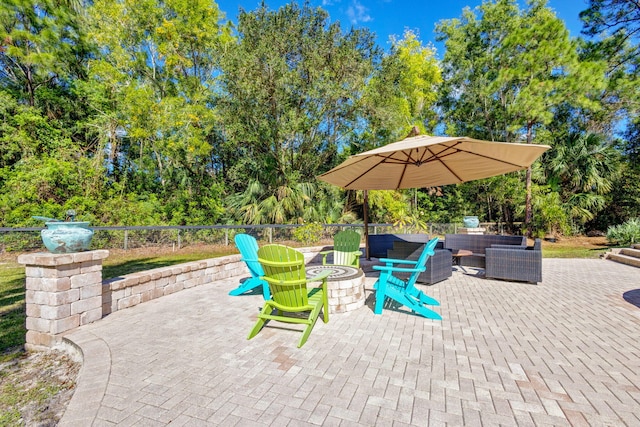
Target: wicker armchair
514,263
438,265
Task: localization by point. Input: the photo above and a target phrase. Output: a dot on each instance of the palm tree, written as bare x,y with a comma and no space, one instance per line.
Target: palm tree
582,169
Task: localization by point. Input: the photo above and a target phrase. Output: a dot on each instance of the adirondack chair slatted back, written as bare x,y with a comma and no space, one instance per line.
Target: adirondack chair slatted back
284,271
428,251
390,286
345,246
346,249
248,247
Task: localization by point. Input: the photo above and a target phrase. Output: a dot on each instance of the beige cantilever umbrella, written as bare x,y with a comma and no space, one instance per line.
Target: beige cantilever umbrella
429,161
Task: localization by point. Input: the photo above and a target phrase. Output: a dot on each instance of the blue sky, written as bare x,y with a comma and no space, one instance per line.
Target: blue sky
392,17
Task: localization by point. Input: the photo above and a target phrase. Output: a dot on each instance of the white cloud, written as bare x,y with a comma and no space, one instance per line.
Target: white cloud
358,13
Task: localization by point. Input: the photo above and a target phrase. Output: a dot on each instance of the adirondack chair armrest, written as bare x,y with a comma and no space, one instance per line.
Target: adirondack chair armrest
324,256
399,269
320,276
390,261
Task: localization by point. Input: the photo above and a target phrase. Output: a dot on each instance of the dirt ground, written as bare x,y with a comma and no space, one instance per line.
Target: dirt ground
36,389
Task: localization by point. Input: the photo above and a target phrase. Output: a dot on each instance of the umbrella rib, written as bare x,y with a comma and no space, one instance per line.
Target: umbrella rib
458,150
404,169
493,158
438,158
365,172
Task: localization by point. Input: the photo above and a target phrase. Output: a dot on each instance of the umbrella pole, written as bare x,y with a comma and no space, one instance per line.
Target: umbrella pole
365,212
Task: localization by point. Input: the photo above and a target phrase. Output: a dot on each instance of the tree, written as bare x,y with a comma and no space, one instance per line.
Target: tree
402,93
42,45
618,18
582,168
152,88
290,99
44,147
511,70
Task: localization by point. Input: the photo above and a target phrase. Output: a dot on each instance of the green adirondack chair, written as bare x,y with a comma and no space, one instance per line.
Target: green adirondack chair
284,271
346,249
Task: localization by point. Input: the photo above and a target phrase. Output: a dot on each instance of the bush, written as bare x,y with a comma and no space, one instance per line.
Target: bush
309,233
625,234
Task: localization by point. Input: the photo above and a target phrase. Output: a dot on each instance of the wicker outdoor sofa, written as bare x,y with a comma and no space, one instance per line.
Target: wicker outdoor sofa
502,257
478,243
410,246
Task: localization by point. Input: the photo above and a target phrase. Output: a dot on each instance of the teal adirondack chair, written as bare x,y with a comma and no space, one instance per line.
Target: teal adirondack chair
392,288
346,249
248,247
284,271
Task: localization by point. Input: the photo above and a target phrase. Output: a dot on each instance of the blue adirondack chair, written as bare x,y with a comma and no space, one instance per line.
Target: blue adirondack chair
248,247
390,287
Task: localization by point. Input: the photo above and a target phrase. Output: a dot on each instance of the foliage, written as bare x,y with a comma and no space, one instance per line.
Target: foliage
539,70
550,216
47,186
160,112
625,234
622,203
43,44
620,18
308,233
402,92
582,168
290,99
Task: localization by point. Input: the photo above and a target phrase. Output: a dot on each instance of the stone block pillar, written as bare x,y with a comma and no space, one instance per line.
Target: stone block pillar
63,291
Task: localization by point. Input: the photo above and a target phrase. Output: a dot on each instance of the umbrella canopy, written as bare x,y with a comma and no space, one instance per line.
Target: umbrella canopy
429,161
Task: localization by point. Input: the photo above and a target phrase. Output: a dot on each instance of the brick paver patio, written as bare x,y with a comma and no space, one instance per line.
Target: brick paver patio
563,352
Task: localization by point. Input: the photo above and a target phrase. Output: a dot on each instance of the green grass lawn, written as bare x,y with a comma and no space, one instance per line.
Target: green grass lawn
12,309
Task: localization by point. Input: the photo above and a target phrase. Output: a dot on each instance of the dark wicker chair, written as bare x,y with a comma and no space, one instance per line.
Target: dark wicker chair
438,266
478,244
514,263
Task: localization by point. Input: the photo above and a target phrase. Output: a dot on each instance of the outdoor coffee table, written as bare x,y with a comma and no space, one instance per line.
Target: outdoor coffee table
345,286
457,255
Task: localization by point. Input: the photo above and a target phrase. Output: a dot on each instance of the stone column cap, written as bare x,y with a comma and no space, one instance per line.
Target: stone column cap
49,259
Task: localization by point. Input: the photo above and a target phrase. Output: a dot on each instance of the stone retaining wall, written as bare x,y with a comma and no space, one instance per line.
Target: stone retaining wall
130,290
64,291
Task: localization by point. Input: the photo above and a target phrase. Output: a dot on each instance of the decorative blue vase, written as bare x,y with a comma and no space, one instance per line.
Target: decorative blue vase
471,221
62,237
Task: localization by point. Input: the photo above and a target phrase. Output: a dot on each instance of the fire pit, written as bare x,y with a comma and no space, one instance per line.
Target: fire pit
345,285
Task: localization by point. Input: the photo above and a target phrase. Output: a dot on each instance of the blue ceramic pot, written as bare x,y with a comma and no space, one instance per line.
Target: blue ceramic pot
471,221
66,237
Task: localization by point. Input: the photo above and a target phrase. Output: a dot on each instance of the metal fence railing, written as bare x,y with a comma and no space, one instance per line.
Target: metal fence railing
129,237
